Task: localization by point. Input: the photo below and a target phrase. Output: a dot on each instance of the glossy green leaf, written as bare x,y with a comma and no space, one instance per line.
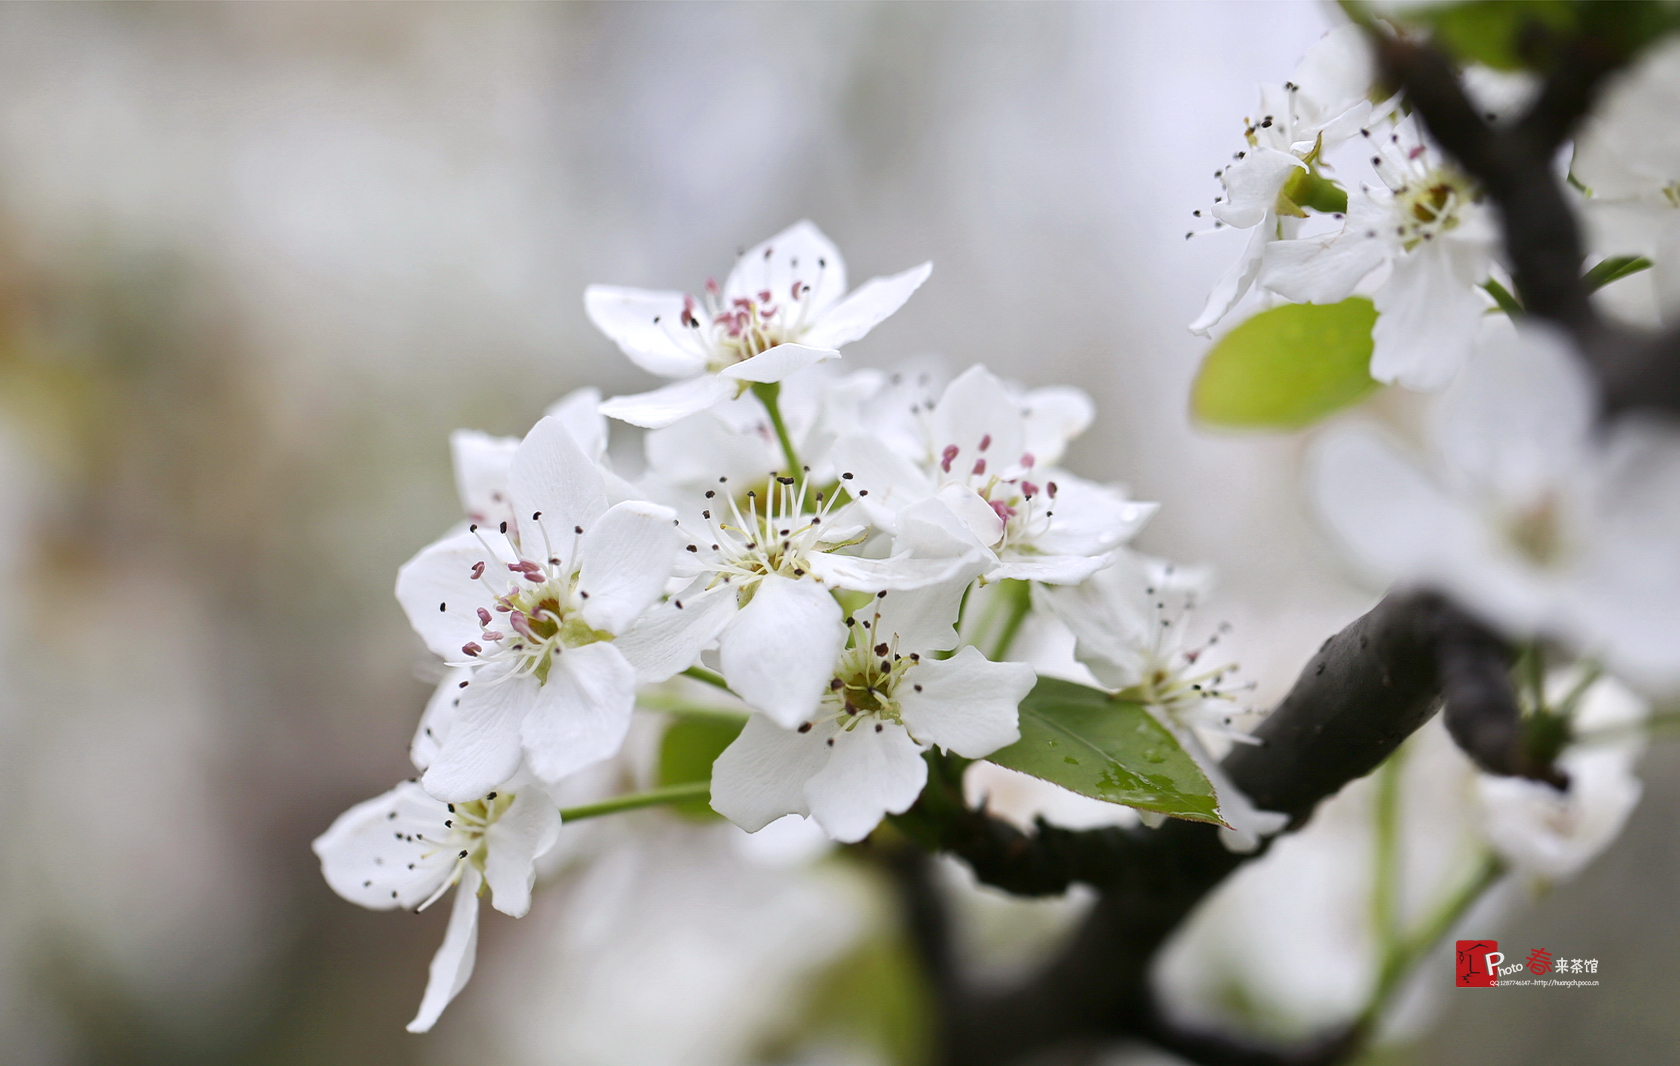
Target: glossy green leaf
1107,748
686,754
1288,367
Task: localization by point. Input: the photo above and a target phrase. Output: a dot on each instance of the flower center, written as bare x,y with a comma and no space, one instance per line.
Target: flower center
1428,207
463,839
536,617
1537,531
775,534
1021,505
870,670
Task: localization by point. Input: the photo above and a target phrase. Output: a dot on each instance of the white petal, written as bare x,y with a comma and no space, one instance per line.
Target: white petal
761,776
863,310
891,480
663,406
627,556
482,750
801,253
438,718
377,853
580,412
481,473
553,477
703,447
527,829
647,327
1517,421
452,966
1050,417
1234,284
977,409
777,363
1089,518
1049,569
874,575
440,595
668,639
1336,72
1326,269
1109,619
778,653
582,711
923,619
1426,322
966,704
1252,184
873,770
972,511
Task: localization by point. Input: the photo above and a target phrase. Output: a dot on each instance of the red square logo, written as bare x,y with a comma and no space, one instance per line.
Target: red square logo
1471,965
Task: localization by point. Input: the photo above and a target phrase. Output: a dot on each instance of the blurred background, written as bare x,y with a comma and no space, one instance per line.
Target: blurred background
257,260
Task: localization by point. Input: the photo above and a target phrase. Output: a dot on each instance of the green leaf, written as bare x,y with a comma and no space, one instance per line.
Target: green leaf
1614,268
686,754
1488,31
1108,748
1288,367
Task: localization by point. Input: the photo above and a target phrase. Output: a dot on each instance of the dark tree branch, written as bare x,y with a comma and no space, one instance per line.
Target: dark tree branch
1368,688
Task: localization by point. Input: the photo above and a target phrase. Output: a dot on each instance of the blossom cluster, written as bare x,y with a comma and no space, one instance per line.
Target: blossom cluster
1555,525
803,538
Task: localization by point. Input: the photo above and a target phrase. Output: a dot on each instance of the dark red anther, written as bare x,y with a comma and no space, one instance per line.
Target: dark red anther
985,442
478,570
979,466
946,457
471,648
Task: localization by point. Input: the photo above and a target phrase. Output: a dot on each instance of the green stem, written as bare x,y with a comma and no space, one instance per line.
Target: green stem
1018,598
700,673
1407,953
769,393
1385,891
1502,296
658,797
681,708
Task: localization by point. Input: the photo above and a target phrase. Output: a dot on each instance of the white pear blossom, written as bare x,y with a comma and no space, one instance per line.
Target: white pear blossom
1425,222
406,849
1031,521
533,607
1628,157
783,307
858,755
482,461
1325,103
1531,515
763,574
1553,834
1130,623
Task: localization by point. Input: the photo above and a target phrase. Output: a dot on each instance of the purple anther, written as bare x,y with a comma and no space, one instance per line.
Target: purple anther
471,648
796,286
478,570
491,634
483,617
1028,489
985,442
945,457
1002,510
1052,488
979,466
1027,460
